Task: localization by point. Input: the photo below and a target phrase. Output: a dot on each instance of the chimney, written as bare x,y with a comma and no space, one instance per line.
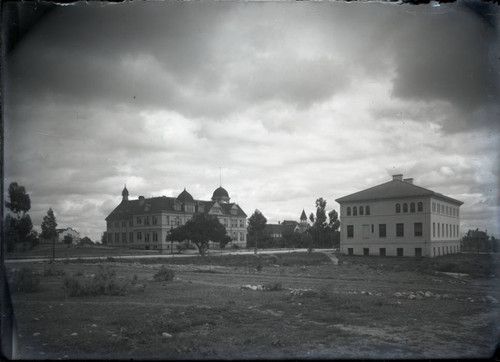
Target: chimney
398,177
141,200
408,180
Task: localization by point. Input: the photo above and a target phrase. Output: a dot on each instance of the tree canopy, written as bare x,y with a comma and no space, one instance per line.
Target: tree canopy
49,226
256,225
201,229
18,229
19,201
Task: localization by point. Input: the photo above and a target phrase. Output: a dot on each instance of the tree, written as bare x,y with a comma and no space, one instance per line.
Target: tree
18,228
68,239
49,231
333,227
256,225
200,230
86,241
479,241
319,230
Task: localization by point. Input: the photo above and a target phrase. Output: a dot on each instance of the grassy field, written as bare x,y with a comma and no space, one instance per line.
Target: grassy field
297,305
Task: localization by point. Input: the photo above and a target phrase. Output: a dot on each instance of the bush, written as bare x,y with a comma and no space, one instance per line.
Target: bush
25,280
53,271
104,282
273,286
235,246
164,275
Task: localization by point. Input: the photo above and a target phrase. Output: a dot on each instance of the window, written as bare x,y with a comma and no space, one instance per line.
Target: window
420,207
234,211
418,251
361,210
155,236
418,228
139,235
400,230
117,238
434,251
146,219
373,227
400,251
234,236
241,223
110,238
348,211
242,236
382,251
350,251
447,210
366,251
438,208
354,211
439,230
124,224
350,231
124,237
433,207
146,237
116,224
446,230
412,207
138,220
398,208
382,231
405,207
433,229
155,220
131,237
367,210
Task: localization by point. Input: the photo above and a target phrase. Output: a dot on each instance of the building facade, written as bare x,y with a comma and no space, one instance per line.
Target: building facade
398,218
145,223
61,233
287,227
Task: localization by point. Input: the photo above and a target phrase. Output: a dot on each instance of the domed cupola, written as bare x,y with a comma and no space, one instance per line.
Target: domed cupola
125,194
185,197
220,195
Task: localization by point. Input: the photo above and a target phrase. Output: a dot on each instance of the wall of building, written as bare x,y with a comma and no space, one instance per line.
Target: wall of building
416,224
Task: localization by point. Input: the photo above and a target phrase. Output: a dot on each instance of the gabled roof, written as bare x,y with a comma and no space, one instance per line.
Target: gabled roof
392,190
128,208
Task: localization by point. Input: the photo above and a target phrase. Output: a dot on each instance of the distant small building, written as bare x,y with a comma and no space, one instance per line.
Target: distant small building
399,218
61,233
287,227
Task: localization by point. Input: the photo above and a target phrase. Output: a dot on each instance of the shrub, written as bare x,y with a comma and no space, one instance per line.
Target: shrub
273,286
25,280
104,282
235,246
164,275
53,271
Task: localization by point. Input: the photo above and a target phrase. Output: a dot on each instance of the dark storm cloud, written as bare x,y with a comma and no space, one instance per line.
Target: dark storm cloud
453,57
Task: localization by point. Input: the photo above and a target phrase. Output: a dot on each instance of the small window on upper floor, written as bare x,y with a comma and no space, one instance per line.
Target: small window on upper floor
405,207
361,210
433,207
354,211
348,211
412,207
398,208
420,207
367,210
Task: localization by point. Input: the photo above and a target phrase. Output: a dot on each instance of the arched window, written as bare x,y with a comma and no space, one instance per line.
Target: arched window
405,207
420,207
349,211
398,208
354,211
361,210
367,210
412,207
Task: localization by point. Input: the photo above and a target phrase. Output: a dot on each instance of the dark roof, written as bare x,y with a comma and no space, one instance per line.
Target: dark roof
125,191
220,192
303,215
185,196
128,208
392,190
273,229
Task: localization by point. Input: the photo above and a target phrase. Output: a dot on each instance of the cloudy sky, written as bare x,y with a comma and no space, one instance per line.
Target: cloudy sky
291,101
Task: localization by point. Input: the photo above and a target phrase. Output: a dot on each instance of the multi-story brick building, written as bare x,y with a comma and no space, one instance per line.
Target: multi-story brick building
399,218
144,223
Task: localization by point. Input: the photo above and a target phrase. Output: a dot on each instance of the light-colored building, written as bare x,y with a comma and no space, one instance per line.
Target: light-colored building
61,233
399,218
144,223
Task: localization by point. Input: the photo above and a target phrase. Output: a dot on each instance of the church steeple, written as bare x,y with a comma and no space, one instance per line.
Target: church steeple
125,193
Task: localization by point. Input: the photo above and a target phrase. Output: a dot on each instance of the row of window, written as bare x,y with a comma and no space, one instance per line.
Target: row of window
382,230
404,207
444,230
170,220
363,210
437,251
121,238
445,209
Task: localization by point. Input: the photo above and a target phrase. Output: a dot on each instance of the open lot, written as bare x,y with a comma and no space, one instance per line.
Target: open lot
297,305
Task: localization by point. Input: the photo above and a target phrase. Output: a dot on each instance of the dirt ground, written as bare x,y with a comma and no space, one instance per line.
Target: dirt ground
383,308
